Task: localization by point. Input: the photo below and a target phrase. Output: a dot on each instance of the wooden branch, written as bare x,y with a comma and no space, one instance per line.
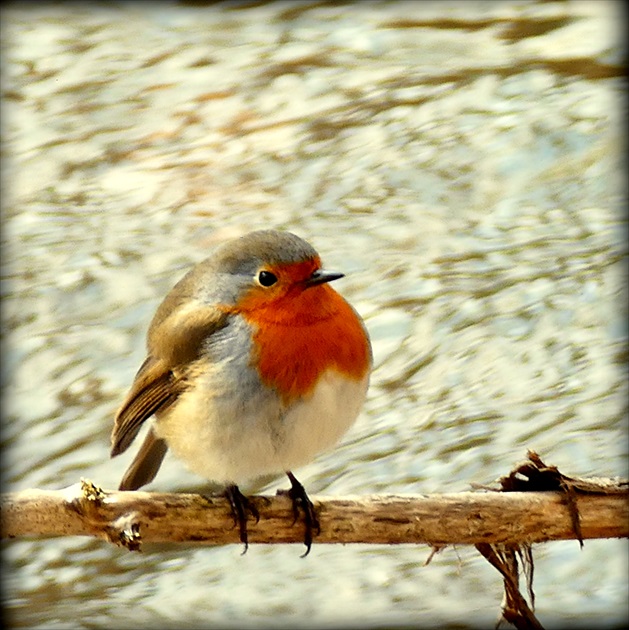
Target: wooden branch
128,518
534,503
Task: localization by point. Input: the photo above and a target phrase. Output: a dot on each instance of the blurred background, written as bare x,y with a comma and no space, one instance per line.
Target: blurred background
461,162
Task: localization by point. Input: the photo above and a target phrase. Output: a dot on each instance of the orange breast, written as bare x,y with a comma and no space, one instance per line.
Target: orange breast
301,335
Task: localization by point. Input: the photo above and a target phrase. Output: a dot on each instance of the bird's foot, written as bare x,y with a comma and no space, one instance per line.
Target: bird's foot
301,501
240,505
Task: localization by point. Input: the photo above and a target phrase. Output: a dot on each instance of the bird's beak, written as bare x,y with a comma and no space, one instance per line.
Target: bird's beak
321,277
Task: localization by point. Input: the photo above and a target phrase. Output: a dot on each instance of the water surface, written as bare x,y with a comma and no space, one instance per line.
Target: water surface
460,162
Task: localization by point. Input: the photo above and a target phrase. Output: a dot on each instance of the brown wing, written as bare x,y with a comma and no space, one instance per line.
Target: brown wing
175,340
155,387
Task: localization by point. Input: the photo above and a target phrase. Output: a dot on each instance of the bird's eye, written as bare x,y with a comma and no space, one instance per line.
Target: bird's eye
266,278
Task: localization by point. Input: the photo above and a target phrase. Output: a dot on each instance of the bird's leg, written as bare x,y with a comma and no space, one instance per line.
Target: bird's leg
240,505
300,500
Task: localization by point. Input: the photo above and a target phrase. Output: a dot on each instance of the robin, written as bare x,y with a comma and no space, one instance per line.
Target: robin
255,365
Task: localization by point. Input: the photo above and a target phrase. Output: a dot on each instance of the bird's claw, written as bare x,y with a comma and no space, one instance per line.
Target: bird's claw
240,505
301,502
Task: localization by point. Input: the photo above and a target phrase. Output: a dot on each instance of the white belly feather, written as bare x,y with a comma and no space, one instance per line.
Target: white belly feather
233,438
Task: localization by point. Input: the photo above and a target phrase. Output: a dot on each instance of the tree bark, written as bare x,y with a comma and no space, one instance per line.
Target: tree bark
131,518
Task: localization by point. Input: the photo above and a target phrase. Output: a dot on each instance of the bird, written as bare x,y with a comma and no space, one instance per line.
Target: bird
254,366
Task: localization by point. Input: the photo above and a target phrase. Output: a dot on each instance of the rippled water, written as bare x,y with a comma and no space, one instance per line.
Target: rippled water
461,162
